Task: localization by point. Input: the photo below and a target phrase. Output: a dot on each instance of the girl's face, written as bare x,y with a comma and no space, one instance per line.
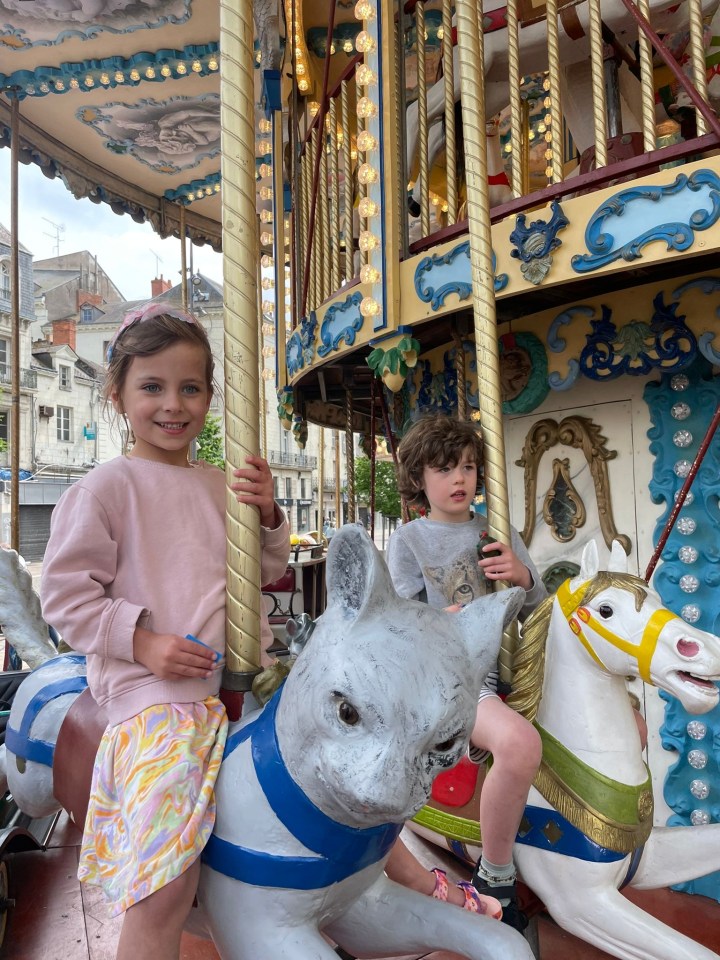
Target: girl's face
165,397
451,490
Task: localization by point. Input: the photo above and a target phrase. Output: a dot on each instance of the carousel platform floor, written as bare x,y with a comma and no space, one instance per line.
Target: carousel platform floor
56,919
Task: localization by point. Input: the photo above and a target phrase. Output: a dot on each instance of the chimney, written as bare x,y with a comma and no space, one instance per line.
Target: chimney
158,286
63,331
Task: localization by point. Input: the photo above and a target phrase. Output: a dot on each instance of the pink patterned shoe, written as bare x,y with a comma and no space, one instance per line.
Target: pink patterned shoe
474,901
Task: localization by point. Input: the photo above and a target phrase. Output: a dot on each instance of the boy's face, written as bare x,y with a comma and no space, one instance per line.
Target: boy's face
451,490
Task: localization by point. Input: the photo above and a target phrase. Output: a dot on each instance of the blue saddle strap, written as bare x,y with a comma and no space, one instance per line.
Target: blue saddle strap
549,830
19,741
342,850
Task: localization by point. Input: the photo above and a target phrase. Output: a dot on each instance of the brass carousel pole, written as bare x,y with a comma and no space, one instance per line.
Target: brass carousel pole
472,95
15,327
240,255
321,478
338,494
183,258
349,455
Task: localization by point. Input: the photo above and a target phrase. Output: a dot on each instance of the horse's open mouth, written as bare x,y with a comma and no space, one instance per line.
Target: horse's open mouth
697,681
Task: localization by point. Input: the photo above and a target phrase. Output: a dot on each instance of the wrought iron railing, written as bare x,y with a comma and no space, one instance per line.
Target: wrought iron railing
280,458
28,378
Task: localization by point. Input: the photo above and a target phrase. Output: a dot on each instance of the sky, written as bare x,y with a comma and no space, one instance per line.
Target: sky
131,254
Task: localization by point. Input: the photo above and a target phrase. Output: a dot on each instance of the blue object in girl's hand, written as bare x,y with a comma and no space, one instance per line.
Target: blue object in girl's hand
216,655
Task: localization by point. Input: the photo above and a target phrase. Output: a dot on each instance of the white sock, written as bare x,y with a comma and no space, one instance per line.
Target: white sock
496,874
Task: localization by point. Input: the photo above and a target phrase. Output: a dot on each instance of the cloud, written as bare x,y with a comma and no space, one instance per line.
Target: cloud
130,253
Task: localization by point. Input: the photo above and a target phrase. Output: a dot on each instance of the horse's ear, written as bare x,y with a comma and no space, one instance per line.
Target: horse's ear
618,558
590,562
356,574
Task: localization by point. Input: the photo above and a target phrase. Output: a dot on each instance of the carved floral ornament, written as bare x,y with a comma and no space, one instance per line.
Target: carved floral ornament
563,509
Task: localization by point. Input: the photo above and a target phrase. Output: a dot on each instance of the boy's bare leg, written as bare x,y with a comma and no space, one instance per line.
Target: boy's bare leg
152,927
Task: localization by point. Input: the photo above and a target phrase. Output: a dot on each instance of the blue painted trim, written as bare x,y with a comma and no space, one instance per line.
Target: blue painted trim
570,842
342,850
42,80
554,341
271,91
677,235
19,741
546,229
179,194
380,322
400,331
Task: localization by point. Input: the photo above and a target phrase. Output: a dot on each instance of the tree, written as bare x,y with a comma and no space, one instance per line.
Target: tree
210,442
387,498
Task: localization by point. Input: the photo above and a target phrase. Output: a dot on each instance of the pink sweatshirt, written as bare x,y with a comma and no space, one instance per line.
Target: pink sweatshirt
142,543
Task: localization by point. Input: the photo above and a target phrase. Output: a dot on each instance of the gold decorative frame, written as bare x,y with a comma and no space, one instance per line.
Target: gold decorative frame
580,433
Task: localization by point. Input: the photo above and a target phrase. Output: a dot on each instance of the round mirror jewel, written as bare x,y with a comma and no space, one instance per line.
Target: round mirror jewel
696,729
697,759
682,468
688,499
689,583
690,613
699,817
686,525
682,438
687,554
699,789
679,382
680,411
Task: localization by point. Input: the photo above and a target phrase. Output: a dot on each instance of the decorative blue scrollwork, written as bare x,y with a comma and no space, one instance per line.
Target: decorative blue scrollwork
636,208
452,277
535,243
300,348
638,347
706,285
336,327
438,391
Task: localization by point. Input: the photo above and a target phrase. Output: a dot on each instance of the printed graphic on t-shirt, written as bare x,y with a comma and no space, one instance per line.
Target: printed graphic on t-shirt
460,581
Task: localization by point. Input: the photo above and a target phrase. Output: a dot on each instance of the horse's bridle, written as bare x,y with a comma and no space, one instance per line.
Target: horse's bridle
643,652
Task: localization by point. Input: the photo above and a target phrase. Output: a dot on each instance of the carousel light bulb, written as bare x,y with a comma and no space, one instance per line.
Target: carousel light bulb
59,86
267,283
268,306
268,329
541,128
367,208
150,73
181,68
367,174
265,170
332,49
369,274
74,83
258,56
165,70
440,33
365,108
135,75
263,148
365,75
340,137
266,239
303,85
369,307
367,241
265,125
364,10
196,66
266,193
212,64
365,42
436,201
266,216
119,77
347,46
548,172
366,141
300,69
44,88
353,153
313,108
548,137
190,197
445,206
266,261
216,188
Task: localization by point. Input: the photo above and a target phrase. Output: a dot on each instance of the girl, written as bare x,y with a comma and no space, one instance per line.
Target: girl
134,572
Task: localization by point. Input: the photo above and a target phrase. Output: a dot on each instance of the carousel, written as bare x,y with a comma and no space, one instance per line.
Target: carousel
508,214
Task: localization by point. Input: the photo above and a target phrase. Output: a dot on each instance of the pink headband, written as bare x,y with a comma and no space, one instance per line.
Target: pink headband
148,312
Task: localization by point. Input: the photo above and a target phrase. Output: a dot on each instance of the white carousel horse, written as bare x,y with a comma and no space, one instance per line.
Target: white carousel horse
578,648
665,18
314,789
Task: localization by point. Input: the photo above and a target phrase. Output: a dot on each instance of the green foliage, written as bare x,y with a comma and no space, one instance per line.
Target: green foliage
387,498
3,446
210,442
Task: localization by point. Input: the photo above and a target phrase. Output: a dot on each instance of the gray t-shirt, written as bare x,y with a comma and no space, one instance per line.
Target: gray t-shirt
436,562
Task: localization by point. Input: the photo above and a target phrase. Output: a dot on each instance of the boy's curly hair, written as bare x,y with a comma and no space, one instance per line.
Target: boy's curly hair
435,441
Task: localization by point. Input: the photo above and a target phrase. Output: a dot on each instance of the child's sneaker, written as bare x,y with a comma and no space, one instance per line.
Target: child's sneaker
506,892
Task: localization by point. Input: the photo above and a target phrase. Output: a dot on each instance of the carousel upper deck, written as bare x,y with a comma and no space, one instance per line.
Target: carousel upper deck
552,169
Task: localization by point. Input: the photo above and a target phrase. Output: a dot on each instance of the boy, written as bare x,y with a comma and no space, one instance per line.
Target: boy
439,559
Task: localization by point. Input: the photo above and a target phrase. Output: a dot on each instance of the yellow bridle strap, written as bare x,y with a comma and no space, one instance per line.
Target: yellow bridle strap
642,652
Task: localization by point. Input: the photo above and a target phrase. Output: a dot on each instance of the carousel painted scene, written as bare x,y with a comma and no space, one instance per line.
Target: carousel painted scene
505,216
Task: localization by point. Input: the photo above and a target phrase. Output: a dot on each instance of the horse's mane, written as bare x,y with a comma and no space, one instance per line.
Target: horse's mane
529,660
